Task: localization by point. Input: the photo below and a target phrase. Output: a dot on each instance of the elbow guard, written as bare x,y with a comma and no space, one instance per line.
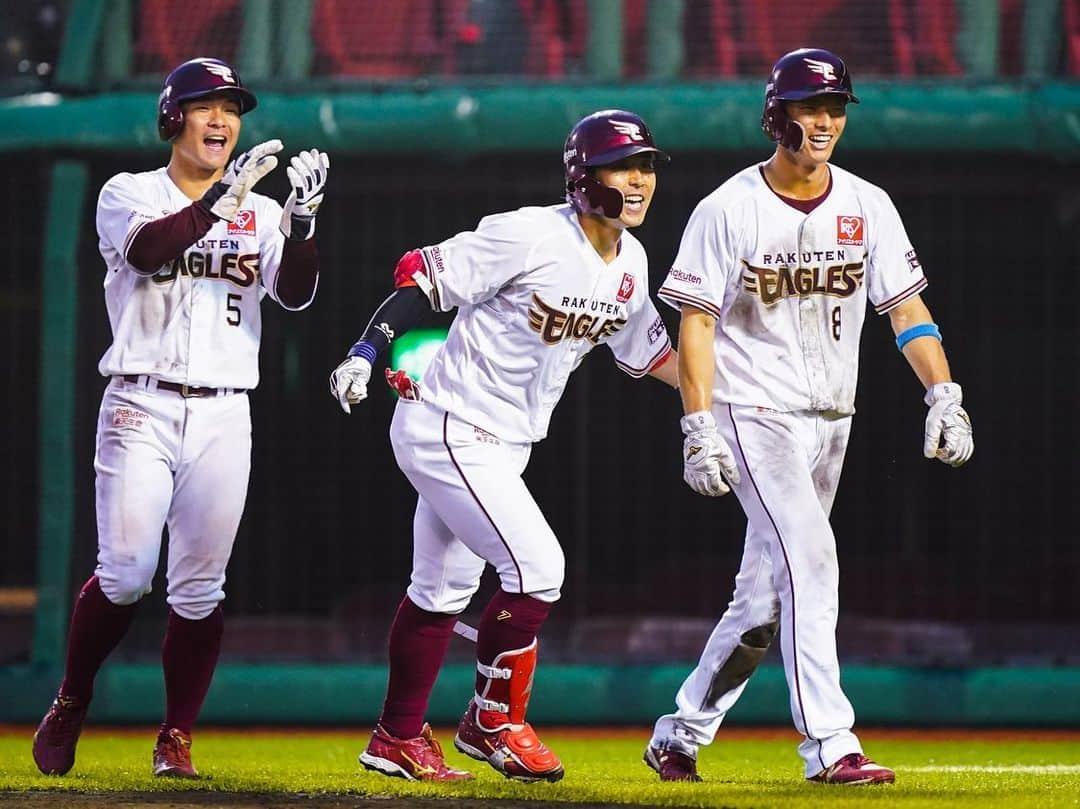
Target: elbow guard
412,272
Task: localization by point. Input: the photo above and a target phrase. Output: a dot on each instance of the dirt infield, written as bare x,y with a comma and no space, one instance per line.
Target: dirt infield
202,800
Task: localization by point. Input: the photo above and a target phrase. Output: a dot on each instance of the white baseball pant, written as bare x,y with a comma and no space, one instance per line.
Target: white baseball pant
473,508
790,465
165,459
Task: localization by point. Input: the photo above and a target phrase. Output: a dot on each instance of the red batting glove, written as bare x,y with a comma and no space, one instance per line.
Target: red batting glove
404,385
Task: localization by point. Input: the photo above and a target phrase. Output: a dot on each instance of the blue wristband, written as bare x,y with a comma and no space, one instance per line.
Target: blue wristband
921,330
363,349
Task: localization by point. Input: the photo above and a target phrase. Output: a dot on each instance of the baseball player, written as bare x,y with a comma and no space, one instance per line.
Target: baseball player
190,251
536,289
772,278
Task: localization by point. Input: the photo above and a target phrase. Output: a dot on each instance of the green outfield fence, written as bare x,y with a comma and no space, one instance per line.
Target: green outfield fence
566,694
957,587
463,121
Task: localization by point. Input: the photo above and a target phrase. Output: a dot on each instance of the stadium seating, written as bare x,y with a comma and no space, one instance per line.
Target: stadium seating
923,32
557,34
549,39
1072,38
169,32
770,29
381,39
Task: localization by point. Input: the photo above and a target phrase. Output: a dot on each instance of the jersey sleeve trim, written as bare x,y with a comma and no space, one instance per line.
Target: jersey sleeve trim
432,261
131,236
898,299
657,359
676,298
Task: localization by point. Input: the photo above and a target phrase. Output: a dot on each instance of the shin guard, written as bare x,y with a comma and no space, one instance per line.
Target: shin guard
494,729
504,699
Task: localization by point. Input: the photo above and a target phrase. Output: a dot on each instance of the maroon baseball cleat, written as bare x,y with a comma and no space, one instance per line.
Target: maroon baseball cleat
671,764
417,759
172,754
854,769
57,735
513,750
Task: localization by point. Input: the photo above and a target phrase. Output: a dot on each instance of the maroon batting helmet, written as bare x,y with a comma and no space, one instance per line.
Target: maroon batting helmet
194,79
600,139
797,75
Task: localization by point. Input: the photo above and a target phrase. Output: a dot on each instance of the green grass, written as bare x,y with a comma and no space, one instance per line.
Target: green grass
742,769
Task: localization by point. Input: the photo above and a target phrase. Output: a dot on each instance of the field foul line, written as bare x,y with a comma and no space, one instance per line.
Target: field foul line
1044,769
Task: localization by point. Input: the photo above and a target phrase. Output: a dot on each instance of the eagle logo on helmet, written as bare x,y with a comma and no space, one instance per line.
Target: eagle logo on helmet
221,71
631,130
824,69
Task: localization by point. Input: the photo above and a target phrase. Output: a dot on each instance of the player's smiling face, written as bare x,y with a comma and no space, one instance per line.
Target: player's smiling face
635,177
211,128
823,119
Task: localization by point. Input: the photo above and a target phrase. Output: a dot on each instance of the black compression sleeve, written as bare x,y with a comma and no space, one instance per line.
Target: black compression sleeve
405,309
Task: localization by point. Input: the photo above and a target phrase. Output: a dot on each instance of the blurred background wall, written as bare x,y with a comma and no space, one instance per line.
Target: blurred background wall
436,112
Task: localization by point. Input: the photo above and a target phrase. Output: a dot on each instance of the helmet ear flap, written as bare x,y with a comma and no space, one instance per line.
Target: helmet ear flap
779,128
589,195
794,135
170,119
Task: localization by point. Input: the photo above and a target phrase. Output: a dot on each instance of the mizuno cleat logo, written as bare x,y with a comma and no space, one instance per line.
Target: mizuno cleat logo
418,768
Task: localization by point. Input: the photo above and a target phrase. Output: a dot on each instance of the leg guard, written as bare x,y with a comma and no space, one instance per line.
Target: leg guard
747,656
494,729
505,697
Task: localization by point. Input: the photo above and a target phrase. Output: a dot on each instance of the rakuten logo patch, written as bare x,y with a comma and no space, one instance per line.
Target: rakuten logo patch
686,277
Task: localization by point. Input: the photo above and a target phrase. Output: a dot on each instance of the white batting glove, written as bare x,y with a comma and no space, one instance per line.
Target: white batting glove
707,459
307,175
349,381
948,429
225,197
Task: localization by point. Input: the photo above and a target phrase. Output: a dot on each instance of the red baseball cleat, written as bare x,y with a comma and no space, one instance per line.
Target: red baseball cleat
57,735
513,750
172,754
854,769
671,764
417,759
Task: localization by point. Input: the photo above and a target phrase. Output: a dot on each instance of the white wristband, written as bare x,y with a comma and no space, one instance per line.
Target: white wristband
943,392
701,420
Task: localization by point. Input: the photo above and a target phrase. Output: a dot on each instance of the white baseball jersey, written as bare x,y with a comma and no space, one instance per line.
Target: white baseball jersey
789,289
533,297
196,321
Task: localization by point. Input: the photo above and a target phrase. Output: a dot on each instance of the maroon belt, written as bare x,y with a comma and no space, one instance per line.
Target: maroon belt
187,391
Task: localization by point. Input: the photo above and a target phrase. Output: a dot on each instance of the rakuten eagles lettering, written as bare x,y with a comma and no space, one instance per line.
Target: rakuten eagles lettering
240,269
555,325
806,256
773,284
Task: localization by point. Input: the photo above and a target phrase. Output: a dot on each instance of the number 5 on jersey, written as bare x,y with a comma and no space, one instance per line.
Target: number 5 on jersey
233,316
